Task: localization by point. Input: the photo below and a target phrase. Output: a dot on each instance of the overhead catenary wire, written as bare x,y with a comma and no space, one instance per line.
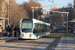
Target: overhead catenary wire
53,3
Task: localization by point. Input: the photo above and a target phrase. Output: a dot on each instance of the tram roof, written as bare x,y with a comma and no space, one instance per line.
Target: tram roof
40,22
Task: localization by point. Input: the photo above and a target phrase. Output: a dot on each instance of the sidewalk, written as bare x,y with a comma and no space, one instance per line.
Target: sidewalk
72,34
66,43
7,39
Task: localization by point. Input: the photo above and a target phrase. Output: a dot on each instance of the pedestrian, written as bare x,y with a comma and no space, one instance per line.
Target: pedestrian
0,31
8,31
18,29
3,31
15,31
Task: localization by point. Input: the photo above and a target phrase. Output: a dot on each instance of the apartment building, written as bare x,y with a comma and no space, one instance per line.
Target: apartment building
3,12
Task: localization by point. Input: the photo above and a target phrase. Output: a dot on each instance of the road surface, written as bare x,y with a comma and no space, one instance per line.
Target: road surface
39,44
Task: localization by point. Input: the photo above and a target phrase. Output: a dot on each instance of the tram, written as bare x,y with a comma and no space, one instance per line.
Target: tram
33,29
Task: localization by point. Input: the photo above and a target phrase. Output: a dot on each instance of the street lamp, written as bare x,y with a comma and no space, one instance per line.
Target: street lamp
67,22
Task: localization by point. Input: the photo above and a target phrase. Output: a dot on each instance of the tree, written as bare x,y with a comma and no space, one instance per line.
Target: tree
0,8
0,2
16,13
69,5
27,7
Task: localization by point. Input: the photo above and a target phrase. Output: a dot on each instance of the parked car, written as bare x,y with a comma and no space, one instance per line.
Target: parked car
59,27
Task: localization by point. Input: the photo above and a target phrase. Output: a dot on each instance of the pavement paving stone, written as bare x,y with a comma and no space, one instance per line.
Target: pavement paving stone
6,39
66,43
34,44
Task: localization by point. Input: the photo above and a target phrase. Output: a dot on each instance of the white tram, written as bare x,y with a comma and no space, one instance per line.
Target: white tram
33,29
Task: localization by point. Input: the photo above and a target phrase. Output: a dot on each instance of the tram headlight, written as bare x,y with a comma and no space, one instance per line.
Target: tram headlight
22,35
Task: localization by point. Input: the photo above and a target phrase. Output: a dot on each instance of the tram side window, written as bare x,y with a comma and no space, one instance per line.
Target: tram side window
35,28
38,29
45,28
41,27
48,28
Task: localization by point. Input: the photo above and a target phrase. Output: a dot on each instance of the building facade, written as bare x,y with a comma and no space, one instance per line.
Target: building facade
60,19
3,12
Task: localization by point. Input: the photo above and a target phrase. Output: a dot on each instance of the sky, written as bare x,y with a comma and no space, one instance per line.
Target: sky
58,3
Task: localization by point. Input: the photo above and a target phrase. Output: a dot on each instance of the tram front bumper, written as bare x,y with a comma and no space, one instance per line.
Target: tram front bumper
27,36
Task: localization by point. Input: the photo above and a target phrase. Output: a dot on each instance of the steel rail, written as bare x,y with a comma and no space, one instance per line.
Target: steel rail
36,45
50,46
27,41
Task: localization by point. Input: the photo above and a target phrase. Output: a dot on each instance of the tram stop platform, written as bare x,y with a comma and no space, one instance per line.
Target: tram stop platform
66,43
7,39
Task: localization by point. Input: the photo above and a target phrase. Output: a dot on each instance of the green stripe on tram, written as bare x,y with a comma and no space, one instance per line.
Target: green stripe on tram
35,33
43,23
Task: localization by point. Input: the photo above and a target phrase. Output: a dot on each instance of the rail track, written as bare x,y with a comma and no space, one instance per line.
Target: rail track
55,42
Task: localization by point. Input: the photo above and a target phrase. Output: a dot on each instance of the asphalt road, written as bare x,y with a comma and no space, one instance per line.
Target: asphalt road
39,44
